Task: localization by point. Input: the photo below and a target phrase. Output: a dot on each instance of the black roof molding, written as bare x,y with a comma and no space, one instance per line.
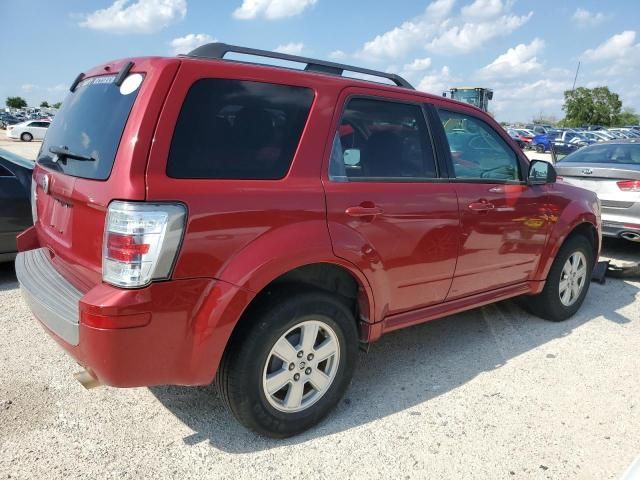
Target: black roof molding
217,51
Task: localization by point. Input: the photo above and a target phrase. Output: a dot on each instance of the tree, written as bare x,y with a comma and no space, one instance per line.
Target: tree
591,106
57,105
44,104
16,102
628,116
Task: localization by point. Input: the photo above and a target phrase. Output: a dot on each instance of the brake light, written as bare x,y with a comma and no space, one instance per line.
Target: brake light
141,241
629,185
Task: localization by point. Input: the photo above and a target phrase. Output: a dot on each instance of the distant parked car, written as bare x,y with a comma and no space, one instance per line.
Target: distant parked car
542,142
539,129
612,171
27,131
516,137
7,119
15,203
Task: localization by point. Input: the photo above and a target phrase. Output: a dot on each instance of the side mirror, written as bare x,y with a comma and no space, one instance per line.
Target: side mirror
351,156
541,173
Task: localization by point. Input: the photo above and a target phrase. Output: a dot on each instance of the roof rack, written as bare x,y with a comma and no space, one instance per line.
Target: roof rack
219,50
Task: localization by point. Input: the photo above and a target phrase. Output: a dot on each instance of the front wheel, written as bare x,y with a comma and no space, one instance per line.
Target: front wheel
285,370
540,148
567,283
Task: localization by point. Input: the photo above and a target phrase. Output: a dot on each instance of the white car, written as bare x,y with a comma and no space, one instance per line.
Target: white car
29,130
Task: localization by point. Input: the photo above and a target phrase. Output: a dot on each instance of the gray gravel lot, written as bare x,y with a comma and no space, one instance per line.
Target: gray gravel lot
491,393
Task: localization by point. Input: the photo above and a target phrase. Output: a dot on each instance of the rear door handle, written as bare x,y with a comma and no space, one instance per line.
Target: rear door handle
481,206
361,211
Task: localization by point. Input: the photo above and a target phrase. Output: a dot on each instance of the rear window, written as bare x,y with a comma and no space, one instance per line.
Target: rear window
625,153
233,129
90,123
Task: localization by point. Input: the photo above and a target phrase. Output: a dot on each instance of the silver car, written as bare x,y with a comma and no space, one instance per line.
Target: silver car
612,170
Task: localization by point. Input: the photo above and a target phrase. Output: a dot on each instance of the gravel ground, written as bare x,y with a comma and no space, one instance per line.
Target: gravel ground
491,393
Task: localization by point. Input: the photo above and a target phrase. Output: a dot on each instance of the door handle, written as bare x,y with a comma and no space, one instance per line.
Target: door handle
482,206
361,211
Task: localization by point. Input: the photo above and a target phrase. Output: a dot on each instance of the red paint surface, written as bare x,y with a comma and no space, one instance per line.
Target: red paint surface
424,254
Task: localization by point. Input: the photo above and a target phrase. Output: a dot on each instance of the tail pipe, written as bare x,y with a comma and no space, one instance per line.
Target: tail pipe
632,236
87,379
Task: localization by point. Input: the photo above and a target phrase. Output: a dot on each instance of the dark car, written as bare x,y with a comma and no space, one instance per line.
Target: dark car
7,119
15,202
201,218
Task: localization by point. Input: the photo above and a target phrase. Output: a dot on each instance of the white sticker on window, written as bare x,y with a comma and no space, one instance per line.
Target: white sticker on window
131,84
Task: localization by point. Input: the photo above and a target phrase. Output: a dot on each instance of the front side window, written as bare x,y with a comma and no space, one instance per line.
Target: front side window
478,152
380,140
234,129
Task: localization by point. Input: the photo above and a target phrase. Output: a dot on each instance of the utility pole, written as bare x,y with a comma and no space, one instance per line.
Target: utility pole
576,77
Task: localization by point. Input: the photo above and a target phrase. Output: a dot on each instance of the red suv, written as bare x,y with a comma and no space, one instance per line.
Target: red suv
197,218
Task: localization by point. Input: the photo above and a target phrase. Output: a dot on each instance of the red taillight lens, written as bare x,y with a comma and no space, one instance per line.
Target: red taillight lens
125,248
629,185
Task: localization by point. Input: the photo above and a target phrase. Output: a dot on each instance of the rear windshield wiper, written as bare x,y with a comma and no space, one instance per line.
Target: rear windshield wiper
64,152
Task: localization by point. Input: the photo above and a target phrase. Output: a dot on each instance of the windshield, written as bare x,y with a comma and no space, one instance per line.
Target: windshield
621,153
90,124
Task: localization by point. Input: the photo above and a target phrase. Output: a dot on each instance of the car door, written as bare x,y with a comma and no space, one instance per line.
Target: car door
15,209
504,221
39,129
388,211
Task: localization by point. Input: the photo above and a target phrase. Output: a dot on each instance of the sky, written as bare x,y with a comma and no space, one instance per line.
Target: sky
527,51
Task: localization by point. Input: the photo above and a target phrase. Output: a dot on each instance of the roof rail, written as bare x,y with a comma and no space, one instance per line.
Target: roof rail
219,50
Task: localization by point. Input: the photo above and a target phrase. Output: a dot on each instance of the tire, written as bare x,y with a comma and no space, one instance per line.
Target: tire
548,304
249,362
26,137
540,148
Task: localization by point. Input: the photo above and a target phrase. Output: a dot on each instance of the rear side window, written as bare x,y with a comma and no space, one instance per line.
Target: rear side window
234,129
380,140
90,123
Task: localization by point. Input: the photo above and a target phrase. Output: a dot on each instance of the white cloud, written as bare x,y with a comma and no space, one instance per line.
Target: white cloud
439,32
517,61
189,42
483,9
615,47
619,55
585,18
337,55
28,87
143,16
418,65
271,9
438,82
291,48
468,37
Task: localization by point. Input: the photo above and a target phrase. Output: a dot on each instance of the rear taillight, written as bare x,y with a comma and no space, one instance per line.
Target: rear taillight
629,185
141,241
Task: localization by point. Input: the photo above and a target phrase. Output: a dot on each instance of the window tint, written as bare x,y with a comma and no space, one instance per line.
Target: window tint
477,150
232,129
615,154
380,140
90,122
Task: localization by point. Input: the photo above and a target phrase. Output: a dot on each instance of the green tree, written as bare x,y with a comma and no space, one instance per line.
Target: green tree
628,116
44,104
16,102
591,106
57,105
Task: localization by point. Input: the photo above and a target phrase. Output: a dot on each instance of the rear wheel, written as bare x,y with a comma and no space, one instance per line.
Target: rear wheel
286,370
567,283
26,137
540,148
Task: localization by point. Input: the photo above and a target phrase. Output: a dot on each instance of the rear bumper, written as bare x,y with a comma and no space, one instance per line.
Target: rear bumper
170,332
